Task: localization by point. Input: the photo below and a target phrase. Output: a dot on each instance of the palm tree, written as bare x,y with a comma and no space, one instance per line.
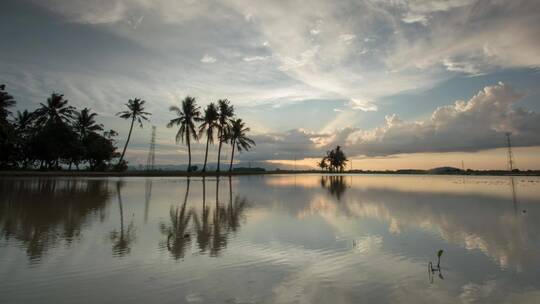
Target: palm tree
24,125
135,112
56,110
23,121
336,159
238,138
187,116
6,101
210,123
226,113
85,123
322,164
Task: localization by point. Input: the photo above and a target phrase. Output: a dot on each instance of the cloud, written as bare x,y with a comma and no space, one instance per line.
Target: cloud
274,52
321,46
256,58
363,105
477,124
208,59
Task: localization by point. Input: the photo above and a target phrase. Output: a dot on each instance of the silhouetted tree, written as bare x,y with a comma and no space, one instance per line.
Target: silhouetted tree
85,122
226,113
238,138
188,114
99,150
52,143
55,112
7,134
6,102
135,112
54,134
24,128
323,164
336,159
208,126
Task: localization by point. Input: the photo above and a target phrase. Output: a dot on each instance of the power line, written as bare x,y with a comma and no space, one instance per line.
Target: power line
151,160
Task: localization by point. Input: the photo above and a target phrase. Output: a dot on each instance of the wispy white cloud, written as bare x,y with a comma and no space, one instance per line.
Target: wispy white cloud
208,59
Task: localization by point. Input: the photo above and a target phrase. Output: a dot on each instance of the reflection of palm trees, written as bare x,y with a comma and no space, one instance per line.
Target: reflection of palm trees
178,237
335,185
219,239
235,210
41,213
202,226
122,239
212,227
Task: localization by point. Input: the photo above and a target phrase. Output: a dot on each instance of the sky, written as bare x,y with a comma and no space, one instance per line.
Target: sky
396,83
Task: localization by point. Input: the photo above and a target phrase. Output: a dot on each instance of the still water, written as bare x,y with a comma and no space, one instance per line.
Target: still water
270,239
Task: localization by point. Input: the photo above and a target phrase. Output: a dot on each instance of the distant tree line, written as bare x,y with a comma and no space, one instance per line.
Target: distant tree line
56,135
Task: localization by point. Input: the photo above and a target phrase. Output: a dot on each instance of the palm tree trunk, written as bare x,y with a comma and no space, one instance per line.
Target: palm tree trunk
206,153
232,155
127,141
189,150
219,149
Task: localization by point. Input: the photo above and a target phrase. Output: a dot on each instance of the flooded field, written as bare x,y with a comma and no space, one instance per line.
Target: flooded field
270,239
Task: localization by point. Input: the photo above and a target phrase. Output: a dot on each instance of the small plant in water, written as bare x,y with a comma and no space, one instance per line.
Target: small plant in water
439,253
432,270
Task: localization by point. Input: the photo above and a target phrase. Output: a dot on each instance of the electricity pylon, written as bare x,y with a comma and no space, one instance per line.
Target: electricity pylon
151,160
511,162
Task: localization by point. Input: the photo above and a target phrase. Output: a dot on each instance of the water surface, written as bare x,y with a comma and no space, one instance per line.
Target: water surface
270,239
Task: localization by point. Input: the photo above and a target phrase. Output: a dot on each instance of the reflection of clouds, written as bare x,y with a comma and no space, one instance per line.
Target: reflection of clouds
369,243
475,213
472,292
497,187
491,229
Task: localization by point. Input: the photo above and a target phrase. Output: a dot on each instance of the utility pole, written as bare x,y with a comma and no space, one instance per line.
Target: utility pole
151,160
511,163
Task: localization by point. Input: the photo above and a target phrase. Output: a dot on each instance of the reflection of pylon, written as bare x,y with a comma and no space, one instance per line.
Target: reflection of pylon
511,163
150,162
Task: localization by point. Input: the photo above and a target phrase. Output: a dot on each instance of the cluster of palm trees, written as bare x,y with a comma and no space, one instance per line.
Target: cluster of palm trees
335,160
57,133
218,118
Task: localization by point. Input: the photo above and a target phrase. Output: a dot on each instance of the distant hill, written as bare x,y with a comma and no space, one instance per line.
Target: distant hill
445,170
